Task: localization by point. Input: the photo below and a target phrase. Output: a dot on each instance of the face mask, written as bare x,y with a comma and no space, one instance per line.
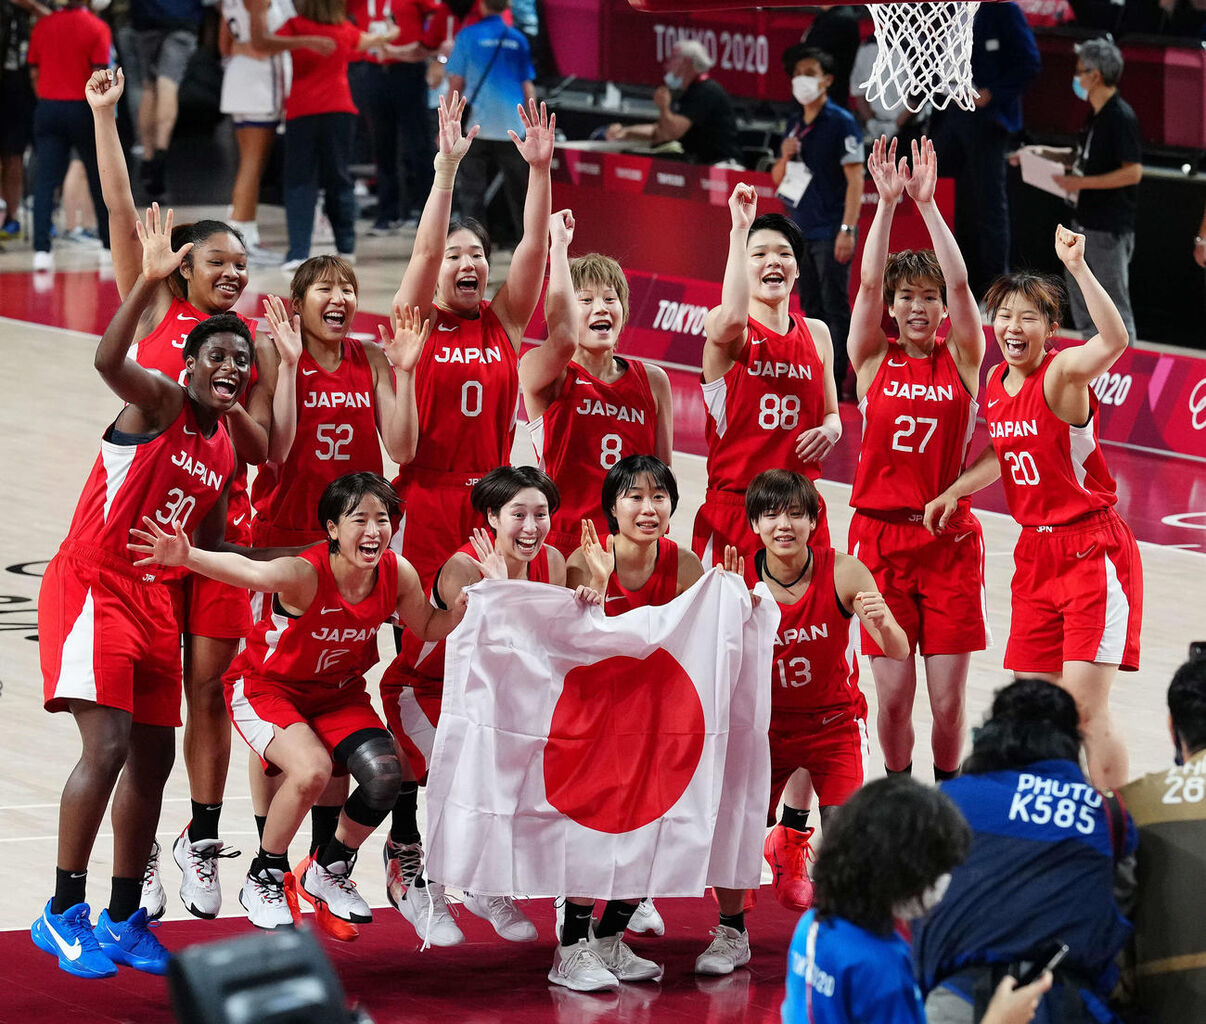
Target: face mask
921,905
672,80
805,88
1077,87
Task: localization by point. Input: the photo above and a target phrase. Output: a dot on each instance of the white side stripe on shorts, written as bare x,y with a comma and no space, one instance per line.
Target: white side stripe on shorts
77,670
1117,616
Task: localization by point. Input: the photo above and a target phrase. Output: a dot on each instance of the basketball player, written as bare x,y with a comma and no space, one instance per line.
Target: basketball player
109,632
818,712
517,502
297,692
639,567
216,617
587,407
466,383
918,402
1077,582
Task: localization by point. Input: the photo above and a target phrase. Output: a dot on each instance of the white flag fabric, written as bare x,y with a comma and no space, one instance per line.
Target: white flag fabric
616,757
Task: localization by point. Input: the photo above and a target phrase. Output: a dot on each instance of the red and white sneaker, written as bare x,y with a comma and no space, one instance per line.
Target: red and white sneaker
788,851
320,888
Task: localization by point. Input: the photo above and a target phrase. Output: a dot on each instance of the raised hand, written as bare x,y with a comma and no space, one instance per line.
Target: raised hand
733,562
889,178
158,259
540,127
599,560
1069,247
449,139
158,547
104,88
561,228
924,179
743,206
410,334
491,564
285,330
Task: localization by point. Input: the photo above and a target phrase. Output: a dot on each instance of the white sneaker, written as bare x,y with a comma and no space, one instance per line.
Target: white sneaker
579,967
200,890
154,899
263,897
349,258
508,920
421,901
43,261
262,257
729,949
646,919
291,265
337,890
622,962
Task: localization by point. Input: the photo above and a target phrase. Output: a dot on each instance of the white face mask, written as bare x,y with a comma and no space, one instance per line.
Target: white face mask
921,905
805,88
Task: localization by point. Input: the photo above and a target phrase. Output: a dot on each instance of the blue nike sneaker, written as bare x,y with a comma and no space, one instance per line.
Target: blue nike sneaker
69,937
131,942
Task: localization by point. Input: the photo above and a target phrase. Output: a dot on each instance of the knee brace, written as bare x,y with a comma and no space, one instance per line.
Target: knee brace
372,761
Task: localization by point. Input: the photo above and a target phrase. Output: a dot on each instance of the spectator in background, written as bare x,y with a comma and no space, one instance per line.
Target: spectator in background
64,49
974,145
1169,966
836,31
701,119
819,175
1046,851
166,36
1106,170
491,66
1047,13
17,102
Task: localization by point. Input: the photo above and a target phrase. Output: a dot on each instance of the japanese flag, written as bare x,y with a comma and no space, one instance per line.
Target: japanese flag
618,758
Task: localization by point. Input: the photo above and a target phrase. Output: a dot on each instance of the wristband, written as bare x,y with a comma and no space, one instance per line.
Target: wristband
445,171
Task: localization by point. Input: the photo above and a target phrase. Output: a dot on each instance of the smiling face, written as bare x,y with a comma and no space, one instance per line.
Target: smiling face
362,535
218,374
461,284
1022,331
642,512
602,316
784,533
216,272
326,310
521,525
772,266
918,310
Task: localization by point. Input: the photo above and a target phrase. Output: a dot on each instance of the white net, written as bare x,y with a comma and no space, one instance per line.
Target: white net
924,55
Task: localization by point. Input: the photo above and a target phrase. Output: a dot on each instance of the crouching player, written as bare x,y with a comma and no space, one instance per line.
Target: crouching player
818,713
297,692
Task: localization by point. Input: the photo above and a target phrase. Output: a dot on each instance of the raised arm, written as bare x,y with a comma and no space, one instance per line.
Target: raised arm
976,477
423,269
663,399
858,593
967,331
517,298
867,341
251,424
1082,363
727,325
419,614
592,564
542,369
286,334
394,369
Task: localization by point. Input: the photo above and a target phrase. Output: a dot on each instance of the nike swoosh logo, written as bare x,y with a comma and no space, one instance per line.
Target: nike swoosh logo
308,373
191,433
993,402
890,363
617,598
1087,551
962,536
69,951
757,341
181,316
240,519
442,327
832,718
328,611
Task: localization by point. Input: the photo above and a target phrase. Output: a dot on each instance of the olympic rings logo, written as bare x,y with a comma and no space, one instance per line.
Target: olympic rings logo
1197,405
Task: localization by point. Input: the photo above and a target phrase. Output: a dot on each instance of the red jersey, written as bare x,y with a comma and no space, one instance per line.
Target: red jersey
66,46
660,588
917,426
1053,472
774,391
586,430
333,642
336,434
320,84
815,658
467,390
177,476
420,663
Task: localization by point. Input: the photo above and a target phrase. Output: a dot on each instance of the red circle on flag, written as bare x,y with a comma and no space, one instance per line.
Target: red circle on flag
625,740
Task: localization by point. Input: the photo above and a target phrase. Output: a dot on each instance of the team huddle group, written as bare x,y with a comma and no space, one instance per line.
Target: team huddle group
168,549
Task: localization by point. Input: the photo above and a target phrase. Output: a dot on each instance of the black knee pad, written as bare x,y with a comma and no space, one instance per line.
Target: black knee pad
372,760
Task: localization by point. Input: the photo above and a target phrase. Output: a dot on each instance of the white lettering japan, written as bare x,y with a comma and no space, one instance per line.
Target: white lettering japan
338,400
619,413
925,392
469,355
1013,428
197,468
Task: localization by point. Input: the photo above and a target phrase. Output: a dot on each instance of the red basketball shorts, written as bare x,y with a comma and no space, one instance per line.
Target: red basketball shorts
721,521
437,518
832,745
412,716
109,635
259,706
934,585
216,609
1077,596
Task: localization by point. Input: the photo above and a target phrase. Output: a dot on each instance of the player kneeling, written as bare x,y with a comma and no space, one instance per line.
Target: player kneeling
297,692
818,713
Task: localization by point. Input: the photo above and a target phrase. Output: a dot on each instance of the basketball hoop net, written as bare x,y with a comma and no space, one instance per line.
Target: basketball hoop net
924,54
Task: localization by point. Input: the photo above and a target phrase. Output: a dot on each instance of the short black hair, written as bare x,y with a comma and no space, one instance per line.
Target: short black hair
624,475
802,51
774,490
500,485
784,226
216,324
1187,704
474,227
1031,720
888,843
344,493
